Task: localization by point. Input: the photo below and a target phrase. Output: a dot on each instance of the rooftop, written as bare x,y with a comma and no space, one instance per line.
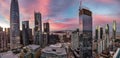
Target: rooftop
8,54
117,54
33,47
54,49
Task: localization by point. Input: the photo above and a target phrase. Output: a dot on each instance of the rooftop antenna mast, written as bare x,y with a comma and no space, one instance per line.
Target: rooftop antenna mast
80,4
80,12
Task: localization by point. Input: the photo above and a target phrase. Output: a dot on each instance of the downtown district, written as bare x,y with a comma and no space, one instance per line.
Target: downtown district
78,43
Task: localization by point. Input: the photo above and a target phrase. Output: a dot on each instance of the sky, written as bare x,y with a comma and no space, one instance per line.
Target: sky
63,14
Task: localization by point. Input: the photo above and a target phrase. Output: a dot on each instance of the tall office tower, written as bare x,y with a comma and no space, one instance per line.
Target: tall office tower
1,39
96,33
30,36
114,29
75,40
107,36
85,19
25,32
7,37
38,29
46,33
21,40
101,33
14,25
114,35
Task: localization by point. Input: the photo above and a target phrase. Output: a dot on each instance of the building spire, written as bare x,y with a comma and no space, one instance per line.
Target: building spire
80,7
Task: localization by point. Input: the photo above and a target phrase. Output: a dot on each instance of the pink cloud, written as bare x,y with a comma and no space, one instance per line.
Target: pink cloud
4,8
106,1
103,19
67,25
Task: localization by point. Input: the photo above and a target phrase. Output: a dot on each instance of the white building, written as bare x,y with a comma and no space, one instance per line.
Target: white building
117,54
75,40
54,51
9,54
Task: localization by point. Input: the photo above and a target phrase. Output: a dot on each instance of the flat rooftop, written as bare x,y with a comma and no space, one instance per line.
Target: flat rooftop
54,49
9,54
117,54
33,47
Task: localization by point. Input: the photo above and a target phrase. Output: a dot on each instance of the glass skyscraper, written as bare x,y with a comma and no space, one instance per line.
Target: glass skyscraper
14,25
25,32
38,29
85,17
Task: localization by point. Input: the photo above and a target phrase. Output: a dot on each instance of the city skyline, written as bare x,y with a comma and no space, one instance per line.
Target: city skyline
63,15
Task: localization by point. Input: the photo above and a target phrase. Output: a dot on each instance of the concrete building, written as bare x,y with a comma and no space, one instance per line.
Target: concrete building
54,51
46,28
30,51
25,32
38,29
75,40
4,39
117,54
7,36
107,37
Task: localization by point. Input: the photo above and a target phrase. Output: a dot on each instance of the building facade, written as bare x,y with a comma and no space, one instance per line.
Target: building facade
14,25
85,19
38,29
25,32
75,40
46,34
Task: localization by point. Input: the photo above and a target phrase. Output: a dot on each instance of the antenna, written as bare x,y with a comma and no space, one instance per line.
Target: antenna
80,4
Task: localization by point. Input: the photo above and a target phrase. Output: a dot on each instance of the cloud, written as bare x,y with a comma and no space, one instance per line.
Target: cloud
106,1
70,23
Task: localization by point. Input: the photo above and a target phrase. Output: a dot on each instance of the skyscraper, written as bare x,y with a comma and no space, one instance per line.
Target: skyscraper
85,18
114,29
25,32
7,37
38,29
114,35
96,33
46,33
107,36
101,33
14,25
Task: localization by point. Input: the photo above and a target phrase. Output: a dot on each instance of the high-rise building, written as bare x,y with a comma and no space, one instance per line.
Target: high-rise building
114,29
4,39
46,28
96,33
85,17
30,36
1,39
101,33
7,37
25,32
75,40
107,36
14,25
38,29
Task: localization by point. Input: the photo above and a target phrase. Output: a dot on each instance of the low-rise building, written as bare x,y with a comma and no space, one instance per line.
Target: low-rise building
54,51
117,53
9,54
30,51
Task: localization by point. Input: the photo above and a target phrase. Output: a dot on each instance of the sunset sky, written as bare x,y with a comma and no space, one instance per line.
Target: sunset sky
63,14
